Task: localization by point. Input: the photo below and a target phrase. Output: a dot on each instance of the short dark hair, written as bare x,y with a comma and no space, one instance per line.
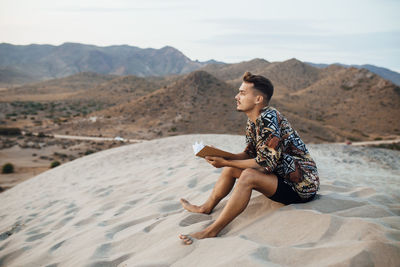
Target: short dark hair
260,83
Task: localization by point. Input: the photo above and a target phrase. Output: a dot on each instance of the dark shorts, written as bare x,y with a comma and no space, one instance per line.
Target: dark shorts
286,195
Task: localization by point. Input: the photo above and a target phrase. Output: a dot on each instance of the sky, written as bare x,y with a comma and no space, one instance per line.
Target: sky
318,31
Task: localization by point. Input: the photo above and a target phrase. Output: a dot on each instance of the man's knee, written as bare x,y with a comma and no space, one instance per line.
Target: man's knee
246,177
231,172
228,169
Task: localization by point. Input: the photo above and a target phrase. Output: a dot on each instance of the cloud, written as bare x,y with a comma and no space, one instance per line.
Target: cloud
119,6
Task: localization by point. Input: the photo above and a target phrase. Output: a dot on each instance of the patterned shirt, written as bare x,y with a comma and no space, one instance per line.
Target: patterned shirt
277,147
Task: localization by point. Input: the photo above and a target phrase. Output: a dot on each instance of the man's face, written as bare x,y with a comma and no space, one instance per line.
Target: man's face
246,98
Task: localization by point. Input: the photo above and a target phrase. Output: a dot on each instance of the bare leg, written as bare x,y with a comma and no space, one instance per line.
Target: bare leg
221,189
249,179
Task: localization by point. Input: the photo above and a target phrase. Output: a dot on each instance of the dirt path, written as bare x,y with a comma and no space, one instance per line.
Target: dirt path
92,138
96,138
367,143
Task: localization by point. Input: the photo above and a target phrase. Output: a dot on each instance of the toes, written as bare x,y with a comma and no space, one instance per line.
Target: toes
186,239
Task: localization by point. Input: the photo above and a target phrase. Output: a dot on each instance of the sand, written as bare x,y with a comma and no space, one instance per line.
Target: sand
120,207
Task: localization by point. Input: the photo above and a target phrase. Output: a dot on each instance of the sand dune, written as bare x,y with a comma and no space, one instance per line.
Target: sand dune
120,207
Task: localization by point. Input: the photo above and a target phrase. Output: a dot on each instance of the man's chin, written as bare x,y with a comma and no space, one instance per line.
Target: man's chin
239,110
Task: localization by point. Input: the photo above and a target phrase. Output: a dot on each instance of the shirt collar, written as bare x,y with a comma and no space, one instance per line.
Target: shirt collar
261,113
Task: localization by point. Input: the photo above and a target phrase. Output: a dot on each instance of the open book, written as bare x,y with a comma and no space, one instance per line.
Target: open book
201,150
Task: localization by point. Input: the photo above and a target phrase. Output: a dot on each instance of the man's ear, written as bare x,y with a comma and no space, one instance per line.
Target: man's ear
259,99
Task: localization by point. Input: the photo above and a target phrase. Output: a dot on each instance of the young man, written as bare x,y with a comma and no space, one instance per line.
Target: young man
275,162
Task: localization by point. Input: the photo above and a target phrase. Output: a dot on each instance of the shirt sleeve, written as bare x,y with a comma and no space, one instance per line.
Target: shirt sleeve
250,148
269,147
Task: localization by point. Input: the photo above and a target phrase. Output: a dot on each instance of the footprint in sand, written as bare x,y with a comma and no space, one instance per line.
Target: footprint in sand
147,229
122,210
57,246
104,208
123,226
103,192
170,207
4,246
207,187
194,218
261,254
62,223
33,232
51,203
14,229
31,217
115,262
85,221
74,211
102,251
71,208
106,193
133,202
5,260
192,183
333,203
36,237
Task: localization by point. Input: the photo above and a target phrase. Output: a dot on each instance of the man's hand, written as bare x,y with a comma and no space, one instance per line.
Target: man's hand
217,162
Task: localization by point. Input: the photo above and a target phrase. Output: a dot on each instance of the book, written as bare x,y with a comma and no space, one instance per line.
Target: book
201,150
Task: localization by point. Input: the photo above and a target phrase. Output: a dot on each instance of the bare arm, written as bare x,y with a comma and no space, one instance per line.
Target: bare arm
242,164
240,156
219,162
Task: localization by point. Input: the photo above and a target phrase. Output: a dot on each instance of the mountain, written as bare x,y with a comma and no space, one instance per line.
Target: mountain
290,75
195,103
286,76
230,73
56,89
388,74
329,104
349,103
75,95
121,89
9,75
48,61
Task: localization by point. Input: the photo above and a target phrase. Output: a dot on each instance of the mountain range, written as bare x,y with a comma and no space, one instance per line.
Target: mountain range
41,62
331,104
325,104
21,64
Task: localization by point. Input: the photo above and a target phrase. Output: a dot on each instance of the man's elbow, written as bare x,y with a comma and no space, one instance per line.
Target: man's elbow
258,167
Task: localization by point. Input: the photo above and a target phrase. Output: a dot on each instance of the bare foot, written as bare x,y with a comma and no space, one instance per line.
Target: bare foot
188,239
193,208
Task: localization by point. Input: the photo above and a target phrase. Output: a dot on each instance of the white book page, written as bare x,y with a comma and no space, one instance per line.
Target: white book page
197,147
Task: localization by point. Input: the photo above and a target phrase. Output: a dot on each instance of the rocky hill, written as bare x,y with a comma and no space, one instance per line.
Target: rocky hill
354,103
332,104
385,73
326,104
196,103
12,76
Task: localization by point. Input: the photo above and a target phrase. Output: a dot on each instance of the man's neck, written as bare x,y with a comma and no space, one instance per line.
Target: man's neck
254,113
